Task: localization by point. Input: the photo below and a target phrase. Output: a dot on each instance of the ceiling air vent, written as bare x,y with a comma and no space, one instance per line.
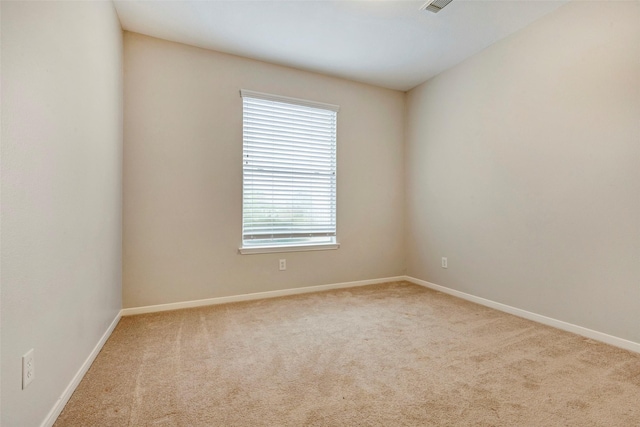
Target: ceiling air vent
435,6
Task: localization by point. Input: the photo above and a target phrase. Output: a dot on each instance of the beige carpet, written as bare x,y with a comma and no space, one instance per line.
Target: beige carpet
385,355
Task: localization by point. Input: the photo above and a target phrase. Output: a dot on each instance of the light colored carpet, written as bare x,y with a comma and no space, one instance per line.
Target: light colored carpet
385,355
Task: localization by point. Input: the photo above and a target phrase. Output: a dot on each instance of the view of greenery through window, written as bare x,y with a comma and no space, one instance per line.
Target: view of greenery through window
289,171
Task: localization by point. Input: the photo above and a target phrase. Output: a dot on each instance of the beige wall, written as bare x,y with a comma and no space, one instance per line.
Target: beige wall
523,168
183,177
61,194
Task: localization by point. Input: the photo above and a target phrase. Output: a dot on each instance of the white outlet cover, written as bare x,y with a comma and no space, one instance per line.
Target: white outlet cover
28,369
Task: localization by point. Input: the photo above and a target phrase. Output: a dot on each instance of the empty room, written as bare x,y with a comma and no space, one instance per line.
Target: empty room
320,213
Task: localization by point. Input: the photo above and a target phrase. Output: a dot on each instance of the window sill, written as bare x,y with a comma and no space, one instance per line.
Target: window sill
299,248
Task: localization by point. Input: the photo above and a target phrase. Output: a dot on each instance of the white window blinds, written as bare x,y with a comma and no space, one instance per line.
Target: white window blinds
289,171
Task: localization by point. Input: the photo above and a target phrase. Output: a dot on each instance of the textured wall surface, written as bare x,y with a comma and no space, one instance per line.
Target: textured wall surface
523,168
183,176
61,194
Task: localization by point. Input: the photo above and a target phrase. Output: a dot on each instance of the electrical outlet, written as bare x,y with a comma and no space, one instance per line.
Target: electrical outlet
444,262
283,264
28,369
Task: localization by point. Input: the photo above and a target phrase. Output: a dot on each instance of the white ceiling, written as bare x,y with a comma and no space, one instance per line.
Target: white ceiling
386,43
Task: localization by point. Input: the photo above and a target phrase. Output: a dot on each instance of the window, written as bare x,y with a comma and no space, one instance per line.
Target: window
289,174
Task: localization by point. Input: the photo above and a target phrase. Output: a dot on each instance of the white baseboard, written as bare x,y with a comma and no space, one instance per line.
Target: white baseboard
579,330
559,324
52,416
254,296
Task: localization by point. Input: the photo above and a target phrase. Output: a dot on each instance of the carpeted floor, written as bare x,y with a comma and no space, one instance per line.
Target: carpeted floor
385,355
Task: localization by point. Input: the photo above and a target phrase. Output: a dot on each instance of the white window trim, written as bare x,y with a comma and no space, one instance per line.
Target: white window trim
291,248
250,250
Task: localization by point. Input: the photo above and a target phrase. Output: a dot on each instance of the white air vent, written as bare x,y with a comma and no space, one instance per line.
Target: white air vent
435,6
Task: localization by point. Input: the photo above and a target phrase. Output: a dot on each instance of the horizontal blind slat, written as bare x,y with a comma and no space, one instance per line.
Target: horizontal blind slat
262,97
279,120
289,165
284,106
264,137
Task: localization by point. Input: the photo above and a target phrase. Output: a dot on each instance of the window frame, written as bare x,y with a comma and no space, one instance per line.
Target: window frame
295,246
